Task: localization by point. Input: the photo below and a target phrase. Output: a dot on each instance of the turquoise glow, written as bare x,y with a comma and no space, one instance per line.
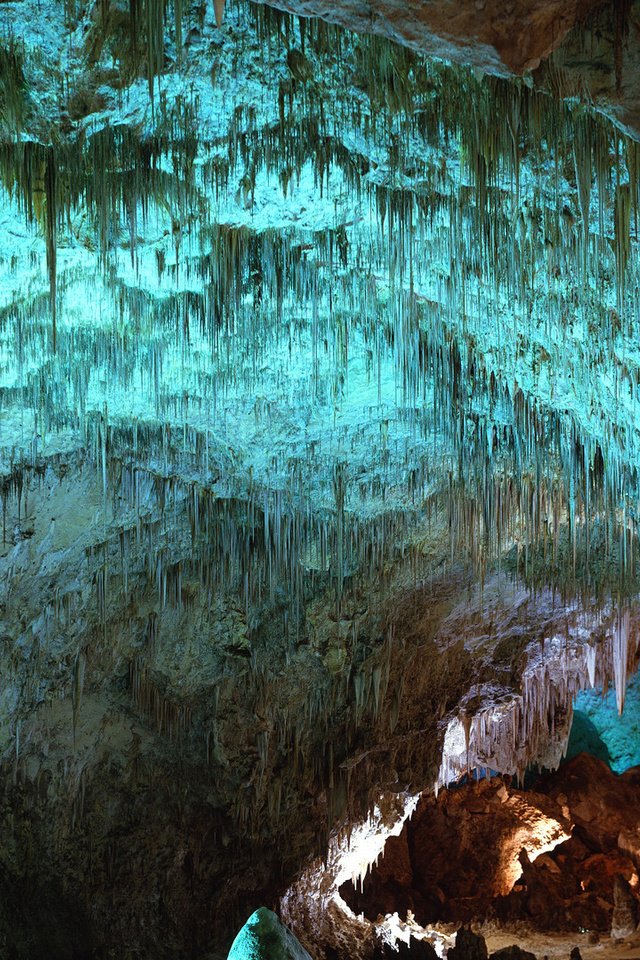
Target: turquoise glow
265,937
598,729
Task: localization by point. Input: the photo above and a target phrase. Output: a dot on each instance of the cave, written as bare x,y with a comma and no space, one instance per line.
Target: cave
319,568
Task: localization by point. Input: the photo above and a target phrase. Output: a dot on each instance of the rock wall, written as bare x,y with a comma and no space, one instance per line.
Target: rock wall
558,856
318,393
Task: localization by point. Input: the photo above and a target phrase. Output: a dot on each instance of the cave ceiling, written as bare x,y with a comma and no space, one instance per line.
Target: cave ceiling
319,396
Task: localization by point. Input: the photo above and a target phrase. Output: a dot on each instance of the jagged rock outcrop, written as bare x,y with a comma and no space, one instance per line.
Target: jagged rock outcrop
514,952
601,803
460,852
468,946
413,949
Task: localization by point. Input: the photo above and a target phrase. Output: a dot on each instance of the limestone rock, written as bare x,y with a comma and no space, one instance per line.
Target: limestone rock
163,704
489,848
461,851
265,937
602,804
549,37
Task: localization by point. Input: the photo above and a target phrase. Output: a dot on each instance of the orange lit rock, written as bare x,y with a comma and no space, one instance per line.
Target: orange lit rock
489,849
461,851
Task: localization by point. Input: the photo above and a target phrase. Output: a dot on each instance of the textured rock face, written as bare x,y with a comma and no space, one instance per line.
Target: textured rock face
460,852
599,61
414,949
514,952
583,49
468,946
318,396
555,856
599,731
498,37
602,804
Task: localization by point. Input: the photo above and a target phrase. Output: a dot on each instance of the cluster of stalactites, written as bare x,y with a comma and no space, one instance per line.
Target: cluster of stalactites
512,731
500,222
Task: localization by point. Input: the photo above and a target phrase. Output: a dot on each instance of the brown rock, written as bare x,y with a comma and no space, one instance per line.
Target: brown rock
598,872
489,850
486,847
544,894
414,950
459,852
602,804
588,911
396,863
629,842
575,47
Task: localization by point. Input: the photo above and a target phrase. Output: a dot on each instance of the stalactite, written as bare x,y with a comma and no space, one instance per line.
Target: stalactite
511,732
621,657
170,718
14,95
78,687
375,327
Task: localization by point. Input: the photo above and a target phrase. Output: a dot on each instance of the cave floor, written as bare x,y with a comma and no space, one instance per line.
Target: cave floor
556,944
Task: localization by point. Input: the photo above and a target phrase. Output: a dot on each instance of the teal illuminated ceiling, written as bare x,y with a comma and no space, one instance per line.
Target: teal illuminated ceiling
333,305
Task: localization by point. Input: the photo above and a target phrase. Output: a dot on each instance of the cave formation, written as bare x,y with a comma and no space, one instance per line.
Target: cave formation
319,446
